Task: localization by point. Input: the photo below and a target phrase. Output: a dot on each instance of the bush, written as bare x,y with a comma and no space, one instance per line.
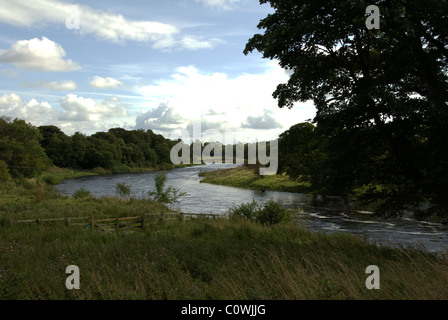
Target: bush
121,168
81,193
247,210
123,190
51,179
273,213
269,214
169,195
4,171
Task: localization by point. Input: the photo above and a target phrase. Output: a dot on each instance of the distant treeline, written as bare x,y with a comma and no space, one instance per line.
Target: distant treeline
25,149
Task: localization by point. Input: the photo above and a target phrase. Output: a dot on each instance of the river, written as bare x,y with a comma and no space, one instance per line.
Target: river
328,217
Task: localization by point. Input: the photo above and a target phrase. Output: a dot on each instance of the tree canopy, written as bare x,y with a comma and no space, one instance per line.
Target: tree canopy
20,148
381,94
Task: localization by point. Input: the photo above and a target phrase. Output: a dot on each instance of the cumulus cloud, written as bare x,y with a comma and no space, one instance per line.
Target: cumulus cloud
77,108
264,122
66,85
105,83
103,25
72,113
243,103
163,118
40,54
13,106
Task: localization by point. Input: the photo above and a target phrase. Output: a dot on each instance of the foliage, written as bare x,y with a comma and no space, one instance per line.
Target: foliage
118,149
123,190
247,177
4,171
381,95
20,148
169,195
211,259
301,152
269,213
51,179
81,193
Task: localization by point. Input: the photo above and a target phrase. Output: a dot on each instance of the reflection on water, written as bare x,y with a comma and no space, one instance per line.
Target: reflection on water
333,217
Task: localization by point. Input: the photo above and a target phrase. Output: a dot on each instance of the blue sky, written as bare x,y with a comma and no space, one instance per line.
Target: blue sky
90,66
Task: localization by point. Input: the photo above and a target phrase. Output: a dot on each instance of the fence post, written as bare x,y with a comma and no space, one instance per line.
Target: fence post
67,222
117,224
92,223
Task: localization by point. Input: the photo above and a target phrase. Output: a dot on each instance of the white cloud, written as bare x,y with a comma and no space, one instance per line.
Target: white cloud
72,113
263,122
220,4
196,43
103,25
66,85
162,118
13,106
87,109
40,54
105,83
243,103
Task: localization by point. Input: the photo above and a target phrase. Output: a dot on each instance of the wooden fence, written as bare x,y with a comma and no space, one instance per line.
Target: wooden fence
125,223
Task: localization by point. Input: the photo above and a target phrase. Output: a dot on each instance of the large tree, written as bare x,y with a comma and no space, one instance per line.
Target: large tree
20,148
381,94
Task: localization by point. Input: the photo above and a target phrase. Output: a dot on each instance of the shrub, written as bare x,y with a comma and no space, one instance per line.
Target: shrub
4,171
169,195
247,210
123,190
121,168
268,214
81,193
273,213
51,179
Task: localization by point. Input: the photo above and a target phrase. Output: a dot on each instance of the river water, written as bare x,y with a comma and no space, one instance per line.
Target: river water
329,216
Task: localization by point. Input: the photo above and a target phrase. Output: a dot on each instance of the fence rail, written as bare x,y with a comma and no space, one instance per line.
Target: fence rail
125,223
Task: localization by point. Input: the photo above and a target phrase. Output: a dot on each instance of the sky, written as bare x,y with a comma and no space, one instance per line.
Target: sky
169,66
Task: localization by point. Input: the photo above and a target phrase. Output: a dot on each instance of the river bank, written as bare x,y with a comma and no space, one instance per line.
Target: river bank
55,175
197,259
248,178
321,214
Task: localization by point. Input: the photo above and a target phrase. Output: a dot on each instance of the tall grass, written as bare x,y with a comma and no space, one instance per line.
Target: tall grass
233,258
210,259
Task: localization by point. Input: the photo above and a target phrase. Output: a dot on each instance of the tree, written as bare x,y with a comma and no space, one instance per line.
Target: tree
301,152
57,145
381,95
4,171
169,195
20,148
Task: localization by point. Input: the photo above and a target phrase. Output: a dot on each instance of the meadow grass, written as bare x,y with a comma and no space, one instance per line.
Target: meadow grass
200,258
246,177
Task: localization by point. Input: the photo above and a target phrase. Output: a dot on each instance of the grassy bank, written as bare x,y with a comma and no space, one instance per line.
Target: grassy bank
196,259
246,177
55,175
